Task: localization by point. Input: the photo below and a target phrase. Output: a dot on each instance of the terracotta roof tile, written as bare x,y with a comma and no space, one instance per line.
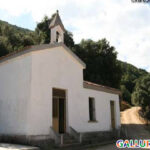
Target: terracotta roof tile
100,87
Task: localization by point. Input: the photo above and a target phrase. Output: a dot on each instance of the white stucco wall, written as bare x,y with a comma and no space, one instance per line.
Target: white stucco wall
80,118
51,68
56,68
14,94
26,84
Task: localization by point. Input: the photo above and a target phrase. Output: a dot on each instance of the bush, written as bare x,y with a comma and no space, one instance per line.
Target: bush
141,95
124,105
126,94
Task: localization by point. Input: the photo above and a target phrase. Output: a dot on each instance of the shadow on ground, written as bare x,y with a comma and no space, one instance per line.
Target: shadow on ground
135,131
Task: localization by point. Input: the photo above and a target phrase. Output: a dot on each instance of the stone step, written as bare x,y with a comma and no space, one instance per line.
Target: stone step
67,135
70,144
70,141
67,138
94,140
6,146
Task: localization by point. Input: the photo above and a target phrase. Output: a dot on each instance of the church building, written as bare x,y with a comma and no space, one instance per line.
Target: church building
43,95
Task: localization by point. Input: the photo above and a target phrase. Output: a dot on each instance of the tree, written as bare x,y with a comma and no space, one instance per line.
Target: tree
68,39
13,38
27,40
126,95
101,61
4,50
130,75
141,95
43,31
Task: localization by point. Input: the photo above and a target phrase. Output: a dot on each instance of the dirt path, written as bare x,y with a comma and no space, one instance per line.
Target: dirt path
131,116
134,127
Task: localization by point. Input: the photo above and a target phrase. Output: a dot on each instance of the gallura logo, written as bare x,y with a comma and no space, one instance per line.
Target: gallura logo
140,1
133,143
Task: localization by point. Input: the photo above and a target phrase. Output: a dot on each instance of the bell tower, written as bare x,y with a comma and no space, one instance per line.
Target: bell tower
57,29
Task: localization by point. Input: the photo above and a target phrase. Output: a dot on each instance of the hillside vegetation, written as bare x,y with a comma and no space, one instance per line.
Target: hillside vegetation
13,38
130,75
99,56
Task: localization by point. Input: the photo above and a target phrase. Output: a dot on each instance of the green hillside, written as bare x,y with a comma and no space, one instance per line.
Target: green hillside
13,38
16,28
130,75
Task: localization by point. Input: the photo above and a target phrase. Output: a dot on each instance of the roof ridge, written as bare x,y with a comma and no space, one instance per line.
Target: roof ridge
29,49
102,86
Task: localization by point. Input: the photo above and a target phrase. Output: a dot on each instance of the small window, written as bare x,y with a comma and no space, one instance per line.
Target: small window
57,37
92,116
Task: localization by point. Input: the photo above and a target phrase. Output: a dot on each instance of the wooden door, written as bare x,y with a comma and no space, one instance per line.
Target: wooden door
112,107
59,110
56,114
62,114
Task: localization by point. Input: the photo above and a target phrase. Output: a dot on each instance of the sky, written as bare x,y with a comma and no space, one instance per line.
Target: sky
126,25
